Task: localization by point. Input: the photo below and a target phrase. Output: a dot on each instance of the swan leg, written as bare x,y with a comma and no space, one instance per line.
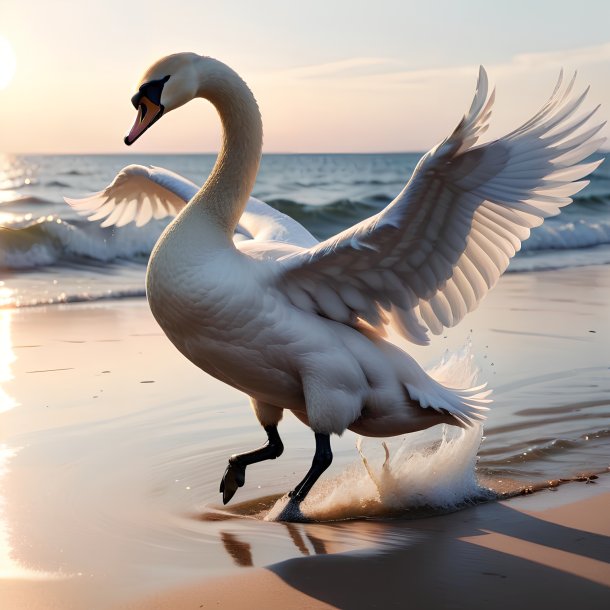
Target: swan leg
235,474
322,459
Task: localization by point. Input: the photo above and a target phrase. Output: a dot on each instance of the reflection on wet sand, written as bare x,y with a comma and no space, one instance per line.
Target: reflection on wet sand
9,568
246,548
7,355
316,539
241,552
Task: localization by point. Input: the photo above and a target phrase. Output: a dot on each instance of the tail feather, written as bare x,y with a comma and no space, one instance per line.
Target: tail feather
450,386
467,405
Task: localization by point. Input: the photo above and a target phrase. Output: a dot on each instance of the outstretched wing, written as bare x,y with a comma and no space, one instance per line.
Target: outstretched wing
139,194
428,258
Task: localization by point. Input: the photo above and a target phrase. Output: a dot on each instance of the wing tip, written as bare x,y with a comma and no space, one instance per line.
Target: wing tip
85,204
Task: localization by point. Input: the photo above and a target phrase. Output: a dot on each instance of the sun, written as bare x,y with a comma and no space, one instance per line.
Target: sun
7,62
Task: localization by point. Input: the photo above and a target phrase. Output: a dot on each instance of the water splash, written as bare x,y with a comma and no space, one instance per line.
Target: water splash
418,473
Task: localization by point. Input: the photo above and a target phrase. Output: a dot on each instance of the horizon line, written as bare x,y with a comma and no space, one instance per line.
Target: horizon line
159,153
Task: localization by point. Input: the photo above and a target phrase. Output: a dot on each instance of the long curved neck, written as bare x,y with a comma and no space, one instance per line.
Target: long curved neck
224,195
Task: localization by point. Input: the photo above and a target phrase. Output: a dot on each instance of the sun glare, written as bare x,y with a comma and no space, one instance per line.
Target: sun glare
7,62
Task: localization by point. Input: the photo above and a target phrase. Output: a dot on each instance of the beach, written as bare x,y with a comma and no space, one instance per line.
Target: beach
429,179
113,445
531,552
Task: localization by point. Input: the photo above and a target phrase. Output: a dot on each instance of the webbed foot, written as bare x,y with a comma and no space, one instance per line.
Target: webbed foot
233,478
235,474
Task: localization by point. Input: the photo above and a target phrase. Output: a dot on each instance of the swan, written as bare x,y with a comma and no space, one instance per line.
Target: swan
300,326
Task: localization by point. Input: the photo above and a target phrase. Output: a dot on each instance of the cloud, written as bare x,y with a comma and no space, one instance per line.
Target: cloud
380,71
355,67
378,103
580,56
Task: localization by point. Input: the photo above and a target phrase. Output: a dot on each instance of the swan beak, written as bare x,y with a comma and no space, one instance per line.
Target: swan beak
148,113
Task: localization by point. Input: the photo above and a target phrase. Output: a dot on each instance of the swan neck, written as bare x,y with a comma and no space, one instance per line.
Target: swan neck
224,195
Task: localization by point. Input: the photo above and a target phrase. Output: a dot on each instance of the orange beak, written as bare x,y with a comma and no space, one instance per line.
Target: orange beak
148,113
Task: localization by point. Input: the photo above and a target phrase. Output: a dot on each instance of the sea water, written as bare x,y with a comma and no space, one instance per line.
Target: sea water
48,254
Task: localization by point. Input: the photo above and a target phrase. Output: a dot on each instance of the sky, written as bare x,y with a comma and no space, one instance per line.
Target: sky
329,75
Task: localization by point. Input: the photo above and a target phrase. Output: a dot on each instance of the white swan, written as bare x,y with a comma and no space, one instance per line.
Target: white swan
300,327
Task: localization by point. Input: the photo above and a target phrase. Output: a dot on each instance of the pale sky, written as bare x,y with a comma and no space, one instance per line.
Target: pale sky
329,75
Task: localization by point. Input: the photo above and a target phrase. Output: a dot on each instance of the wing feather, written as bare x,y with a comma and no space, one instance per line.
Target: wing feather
139,194
442,244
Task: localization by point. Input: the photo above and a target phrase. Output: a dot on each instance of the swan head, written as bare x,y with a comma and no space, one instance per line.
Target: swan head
169,83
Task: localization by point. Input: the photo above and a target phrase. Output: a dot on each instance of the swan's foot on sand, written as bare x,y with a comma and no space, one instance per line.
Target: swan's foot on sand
235,474
322,459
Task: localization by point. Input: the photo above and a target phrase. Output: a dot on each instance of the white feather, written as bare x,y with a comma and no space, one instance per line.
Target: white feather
463,214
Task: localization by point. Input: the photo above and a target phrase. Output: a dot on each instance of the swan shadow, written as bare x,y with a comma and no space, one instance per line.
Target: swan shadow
486,555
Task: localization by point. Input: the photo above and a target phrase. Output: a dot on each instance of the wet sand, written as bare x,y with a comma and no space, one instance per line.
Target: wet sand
112,447
548,550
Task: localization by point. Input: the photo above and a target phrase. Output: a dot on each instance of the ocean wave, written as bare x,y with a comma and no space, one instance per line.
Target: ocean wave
50,240
568,235
75,172
543,448
298,210
592,199
24,200
560,233
333,183
375,202
67,299
27,242
326,220
546,260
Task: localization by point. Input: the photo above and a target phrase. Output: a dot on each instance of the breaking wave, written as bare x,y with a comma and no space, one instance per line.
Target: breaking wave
50,240
27,243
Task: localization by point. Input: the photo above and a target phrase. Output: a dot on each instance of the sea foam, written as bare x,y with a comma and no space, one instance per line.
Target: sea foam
28,243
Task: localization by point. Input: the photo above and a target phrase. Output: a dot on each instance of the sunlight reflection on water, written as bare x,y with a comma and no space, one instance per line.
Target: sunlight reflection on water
9,568
7,356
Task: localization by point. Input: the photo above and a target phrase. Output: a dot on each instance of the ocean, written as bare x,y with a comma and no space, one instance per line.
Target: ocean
48,254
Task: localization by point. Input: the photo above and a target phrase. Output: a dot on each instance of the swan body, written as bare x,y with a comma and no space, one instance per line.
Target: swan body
299,325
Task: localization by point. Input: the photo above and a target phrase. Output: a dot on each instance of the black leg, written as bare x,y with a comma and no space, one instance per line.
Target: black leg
322,459
235,474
